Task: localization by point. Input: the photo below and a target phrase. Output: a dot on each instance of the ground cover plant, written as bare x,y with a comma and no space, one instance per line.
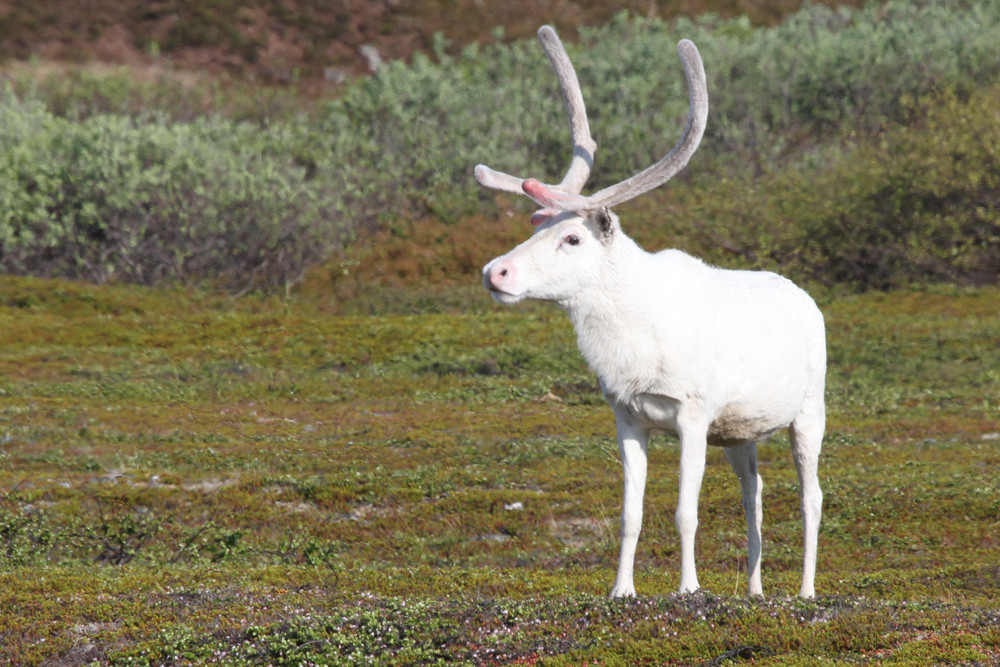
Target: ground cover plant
188,479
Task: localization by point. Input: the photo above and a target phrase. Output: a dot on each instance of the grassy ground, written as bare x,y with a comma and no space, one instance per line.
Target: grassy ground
186,479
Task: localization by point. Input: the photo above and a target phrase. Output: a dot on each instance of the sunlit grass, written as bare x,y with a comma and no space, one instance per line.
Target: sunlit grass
191,479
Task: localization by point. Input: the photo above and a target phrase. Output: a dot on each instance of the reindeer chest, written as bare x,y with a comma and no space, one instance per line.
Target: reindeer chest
632,357
625,367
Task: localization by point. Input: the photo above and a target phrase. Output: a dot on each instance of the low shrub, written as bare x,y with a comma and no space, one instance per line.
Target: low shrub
144,200
919,203
922,204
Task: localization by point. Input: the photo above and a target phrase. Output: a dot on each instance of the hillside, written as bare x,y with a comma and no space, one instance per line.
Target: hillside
294,40
822,158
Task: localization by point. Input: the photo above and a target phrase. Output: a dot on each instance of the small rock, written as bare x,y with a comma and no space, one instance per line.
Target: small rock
371,56
334,76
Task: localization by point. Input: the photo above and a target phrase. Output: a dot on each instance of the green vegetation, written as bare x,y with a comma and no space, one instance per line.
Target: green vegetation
831,106
111,197
193,480
919,204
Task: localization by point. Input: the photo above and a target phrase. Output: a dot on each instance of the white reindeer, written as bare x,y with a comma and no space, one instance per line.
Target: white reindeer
714,356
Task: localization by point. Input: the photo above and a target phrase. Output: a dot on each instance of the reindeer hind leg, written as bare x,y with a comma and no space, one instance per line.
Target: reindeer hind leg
743,459
806,435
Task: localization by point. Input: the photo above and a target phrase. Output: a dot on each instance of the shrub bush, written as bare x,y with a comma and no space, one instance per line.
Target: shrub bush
112,197
774,90
920,205
140,197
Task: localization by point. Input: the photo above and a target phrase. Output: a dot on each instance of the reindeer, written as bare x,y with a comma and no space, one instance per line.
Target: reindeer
712,356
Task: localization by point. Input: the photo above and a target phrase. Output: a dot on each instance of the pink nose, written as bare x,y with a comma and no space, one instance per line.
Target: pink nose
499,275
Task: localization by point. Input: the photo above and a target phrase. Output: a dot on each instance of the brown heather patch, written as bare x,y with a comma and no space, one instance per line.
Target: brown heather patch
414,255
293,41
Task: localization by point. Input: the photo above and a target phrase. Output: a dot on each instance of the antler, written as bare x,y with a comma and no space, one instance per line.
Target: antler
584,145
661,172
566,196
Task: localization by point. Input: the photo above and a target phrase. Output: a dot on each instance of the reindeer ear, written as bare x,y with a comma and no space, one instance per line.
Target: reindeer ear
604,222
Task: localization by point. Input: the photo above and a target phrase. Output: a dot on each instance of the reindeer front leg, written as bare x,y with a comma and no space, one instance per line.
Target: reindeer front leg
632,443
693,439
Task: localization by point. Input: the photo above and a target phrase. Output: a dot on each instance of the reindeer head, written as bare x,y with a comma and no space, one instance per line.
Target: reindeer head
573,231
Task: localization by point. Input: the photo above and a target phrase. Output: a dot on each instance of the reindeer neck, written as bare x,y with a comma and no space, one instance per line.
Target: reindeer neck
614,297
616,332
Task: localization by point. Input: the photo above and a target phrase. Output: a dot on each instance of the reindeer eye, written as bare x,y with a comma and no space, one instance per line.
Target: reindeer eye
573,239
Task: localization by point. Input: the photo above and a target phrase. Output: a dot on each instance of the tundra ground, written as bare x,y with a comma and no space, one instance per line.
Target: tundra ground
187,479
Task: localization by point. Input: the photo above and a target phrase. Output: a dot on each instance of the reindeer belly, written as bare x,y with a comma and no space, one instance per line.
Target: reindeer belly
735,425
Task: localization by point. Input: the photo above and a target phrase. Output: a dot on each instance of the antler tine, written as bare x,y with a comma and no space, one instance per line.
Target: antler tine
662,171
497,180
584,145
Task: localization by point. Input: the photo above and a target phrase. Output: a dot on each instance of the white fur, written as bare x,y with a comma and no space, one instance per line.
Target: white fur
710,355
